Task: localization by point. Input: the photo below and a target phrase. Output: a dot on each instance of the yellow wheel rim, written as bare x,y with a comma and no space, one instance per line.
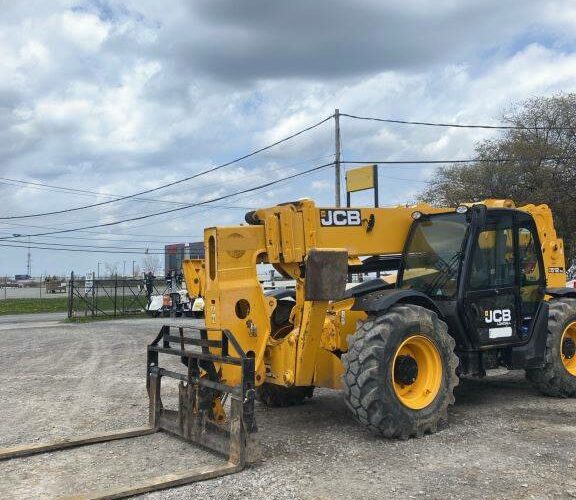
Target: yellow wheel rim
417,372
568,348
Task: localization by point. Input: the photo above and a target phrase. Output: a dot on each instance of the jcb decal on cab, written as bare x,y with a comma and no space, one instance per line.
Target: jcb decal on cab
340,218
498,316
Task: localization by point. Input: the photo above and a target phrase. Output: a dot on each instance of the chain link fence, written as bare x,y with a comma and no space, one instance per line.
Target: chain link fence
111,297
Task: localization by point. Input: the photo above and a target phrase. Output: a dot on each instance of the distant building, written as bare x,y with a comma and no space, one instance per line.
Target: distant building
176,253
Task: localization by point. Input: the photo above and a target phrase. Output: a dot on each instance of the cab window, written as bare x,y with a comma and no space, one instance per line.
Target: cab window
530,270
493,261
528,255
433,254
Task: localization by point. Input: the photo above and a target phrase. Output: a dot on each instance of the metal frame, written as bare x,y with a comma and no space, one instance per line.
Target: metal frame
193,421
131,300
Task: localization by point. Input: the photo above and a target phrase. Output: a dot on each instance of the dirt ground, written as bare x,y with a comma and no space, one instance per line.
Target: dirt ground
62,380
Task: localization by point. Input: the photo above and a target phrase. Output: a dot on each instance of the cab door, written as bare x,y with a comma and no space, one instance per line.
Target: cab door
532,278
504,280
492,308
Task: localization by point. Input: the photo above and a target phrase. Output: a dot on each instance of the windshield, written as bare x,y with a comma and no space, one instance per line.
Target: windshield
433,255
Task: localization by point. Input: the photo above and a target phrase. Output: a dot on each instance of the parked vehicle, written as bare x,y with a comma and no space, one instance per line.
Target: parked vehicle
161,305
55,286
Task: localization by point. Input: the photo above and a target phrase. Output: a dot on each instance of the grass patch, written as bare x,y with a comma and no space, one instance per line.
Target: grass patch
60,304
27,306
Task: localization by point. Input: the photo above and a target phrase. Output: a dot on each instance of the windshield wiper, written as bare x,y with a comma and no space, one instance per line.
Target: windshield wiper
443,276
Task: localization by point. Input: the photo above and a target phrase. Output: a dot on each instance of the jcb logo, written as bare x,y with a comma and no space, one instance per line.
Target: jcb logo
498,316
340,218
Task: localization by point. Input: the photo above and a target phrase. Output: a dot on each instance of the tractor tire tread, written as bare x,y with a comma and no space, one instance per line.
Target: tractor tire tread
362,392
553,379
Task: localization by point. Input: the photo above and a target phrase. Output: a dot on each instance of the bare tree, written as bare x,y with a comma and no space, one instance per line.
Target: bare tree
151,264
535,163
111,268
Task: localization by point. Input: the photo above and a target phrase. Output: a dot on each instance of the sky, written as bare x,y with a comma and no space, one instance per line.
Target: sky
109,98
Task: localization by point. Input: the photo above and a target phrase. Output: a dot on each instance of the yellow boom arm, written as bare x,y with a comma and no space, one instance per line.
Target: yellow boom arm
283,236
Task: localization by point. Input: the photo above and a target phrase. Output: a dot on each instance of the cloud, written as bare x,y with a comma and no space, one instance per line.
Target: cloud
119,96
336,38
86,31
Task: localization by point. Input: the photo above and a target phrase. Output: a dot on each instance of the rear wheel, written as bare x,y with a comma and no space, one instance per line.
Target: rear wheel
558,376
400,372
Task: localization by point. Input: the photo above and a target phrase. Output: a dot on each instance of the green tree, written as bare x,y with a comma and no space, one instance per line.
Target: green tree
535,163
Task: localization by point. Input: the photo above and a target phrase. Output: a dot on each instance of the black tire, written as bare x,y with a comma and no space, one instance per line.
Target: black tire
278,396
553,379
280,319
369,374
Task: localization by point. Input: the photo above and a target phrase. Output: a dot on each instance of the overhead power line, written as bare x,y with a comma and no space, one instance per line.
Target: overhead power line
80,250
265,185
136,196
86,192
113,247
7,181
440,162
99,233
207,207
115,240
185,179
453,125
73,222
172,210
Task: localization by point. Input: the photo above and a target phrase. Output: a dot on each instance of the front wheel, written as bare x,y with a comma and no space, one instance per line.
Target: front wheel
400,372
558,375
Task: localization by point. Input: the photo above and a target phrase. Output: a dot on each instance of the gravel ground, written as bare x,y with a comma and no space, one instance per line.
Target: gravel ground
64,380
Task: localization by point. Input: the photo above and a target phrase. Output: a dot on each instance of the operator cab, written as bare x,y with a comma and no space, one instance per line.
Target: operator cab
483,269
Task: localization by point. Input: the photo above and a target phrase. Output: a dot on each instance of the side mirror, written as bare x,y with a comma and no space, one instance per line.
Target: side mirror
326,274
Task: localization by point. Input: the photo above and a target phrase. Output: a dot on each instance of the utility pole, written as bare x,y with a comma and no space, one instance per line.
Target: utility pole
337,155
29,261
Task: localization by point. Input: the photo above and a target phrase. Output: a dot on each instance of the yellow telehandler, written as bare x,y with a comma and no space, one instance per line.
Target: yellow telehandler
469,289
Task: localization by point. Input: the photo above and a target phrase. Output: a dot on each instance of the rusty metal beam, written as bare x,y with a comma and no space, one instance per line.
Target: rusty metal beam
201,473
36,448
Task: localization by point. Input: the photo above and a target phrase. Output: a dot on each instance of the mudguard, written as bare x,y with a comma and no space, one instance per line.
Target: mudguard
382,300
367,287
562,292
